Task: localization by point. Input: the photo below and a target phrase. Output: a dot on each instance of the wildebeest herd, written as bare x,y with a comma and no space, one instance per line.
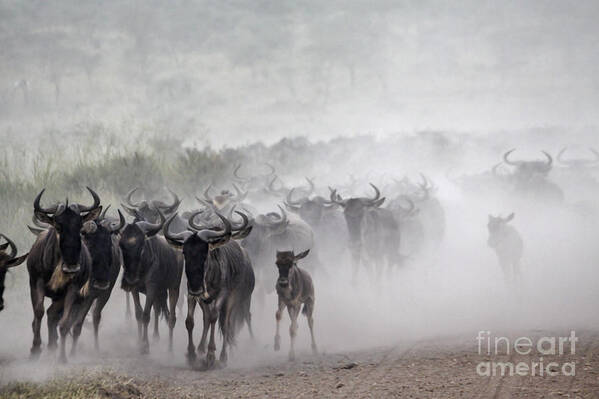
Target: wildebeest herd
228,249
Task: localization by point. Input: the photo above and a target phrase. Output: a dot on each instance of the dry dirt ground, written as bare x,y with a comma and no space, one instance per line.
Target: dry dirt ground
431,368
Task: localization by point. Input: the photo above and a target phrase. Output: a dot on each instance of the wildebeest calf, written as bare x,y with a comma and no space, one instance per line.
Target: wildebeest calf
294,288
508,246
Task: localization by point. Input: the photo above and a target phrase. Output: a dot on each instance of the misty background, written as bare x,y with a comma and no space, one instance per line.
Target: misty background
121,94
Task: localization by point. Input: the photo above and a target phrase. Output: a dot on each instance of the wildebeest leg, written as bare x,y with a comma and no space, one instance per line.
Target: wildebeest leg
53,317
97,316
205,327
248,316
213,317
308,310
138,313
189,324
37,302
173,298
64,325
228,329
128,310
278,316
293,313
78,317
150,301
156,334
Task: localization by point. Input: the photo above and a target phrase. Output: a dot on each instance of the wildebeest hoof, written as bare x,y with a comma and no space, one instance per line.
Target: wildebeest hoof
191,357
35,353
201,349
223,358
277,343
314,350
210,359
52,346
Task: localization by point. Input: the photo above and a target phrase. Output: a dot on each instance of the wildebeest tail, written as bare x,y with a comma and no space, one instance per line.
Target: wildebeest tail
161,302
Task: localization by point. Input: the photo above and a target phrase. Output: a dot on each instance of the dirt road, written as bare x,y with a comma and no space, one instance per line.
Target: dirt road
432,368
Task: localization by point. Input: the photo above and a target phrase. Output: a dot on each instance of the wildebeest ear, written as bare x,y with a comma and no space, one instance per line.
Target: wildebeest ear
35,231
16,261
44,218
302,255
92,215
510,217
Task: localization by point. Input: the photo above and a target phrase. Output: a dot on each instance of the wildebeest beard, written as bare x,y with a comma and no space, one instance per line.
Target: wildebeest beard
99,242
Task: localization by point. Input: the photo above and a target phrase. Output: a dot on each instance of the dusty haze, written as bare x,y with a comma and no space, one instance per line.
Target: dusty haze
121,94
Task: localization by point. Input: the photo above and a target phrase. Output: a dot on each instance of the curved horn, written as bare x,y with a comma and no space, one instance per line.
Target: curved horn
560,157
290,200
37,207
191,223
311,186
39,223
236,173
549,161
177,238
246,222
336,198
83,208
130,201
122,222
377,193
103,214
213,237
13,247
240,194
506,158
168,209
207,196
35,231
151,229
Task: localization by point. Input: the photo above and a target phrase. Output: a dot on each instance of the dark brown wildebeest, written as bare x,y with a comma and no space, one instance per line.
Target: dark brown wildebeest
220,279
7,260
146,210
294,288
153,268
508,246
59,265
100,238
372,228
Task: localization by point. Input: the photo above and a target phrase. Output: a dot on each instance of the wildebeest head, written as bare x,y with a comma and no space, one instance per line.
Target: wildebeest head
286,260
97,235
225,198
310,210
527,170
355,208
67,220
146,210
255,182
7,260
132,245
196,244
265,227
497,223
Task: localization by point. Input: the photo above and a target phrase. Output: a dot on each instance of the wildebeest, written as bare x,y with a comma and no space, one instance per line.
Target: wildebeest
7,260
372,228
59,265
153,268
220,279
508,246
530,178
147,210
272,232
294,288
101,239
